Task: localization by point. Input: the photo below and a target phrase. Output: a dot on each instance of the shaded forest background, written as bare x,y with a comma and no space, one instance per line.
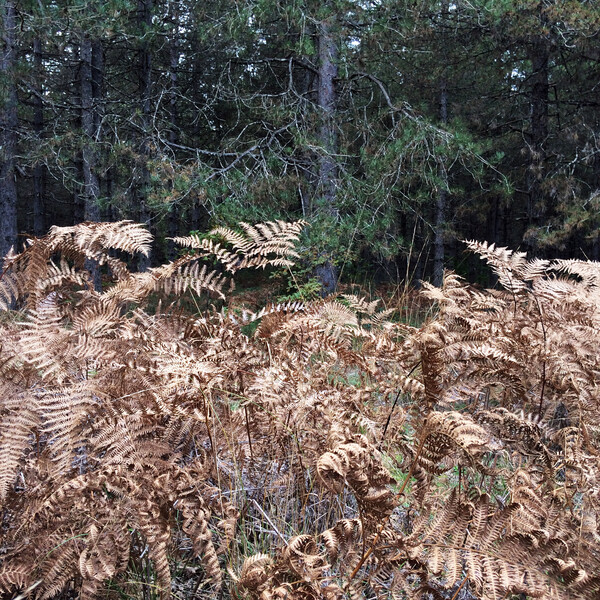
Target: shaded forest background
394,127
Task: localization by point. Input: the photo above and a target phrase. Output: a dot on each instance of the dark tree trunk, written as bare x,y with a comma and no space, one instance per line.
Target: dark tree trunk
538,97
328,168
142,184
442,192
327,101
108,212
90,74
39,171
420,243
303,82
173,222
89,123
441,200
596,190
8,133
105,181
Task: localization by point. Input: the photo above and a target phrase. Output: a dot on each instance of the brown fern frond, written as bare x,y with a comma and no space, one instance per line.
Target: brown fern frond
140,435
19,420
272,310
446,432
99,318
195,524
13,577
369,315
253,248
255,571
342,539
12,287
475,538
128,439
358,466
519,428
156,531
46,343
587,270
303,557
32,273
60,277
61,566
22,273
177,278
508,265
65,413
360,305
270,243
448,526
173,278
103,556
92,239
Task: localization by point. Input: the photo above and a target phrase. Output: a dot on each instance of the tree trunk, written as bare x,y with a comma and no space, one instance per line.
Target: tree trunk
8,133
90,77
173,219
89,121
98,72
441,199
328,169
39,180
538,96
596,192
142,184
442,192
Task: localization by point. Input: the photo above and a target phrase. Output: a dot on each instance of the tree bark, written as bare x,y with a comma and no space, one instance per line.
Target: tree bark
90,74
142,184
442,192
441,199
173,217
39,179
328,169
89,124
539,53
98,93
8,133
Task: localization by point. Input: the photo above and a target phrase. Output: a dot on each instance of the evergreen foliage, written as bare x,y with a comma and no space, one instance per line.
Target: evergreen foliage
428,123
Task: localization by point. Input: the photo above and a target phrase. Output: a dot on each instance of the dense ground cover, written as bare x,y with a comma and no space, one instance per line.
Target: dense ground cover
331,451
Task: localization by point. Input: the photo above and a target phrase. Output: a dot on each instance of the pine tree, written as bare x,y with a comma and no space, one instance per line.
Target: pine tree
8,130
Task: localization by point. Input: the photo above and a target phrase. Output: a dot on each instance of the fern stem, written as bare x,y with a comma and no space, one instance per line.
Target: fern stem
249,436
207,415
545,335
368,553
460,587
387,423
266,516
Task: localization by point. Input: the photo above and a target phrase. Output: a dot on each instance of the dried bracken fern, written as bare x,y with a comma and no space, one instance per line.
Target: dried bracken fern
261,245
333,453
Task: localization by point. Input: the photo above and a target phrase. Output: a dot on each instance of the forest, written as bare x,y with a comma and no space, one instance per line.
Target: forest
300,300
395,128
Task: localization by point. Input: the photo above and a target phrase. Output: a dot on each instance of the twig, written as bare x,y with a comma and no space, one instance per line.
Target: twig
266,516
459,588
387,423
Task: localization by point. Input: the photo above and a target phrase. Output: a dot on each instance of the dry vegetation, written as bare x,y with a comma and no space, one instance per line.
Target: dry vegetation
332,453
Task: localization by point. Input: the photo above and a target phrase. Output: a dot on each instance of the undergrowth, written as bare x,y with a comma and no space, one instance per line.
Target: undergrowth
328,451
